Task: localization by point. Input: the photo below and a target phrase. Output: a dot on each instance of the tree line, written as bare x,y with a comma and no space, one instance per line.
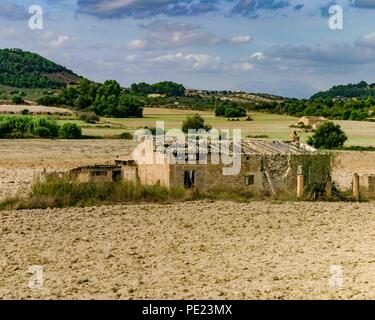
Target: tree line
168,88
340,109
107,99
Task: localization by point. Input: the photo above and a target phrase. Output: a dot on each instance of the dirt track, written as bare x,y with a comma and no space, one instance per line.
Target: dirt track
196,250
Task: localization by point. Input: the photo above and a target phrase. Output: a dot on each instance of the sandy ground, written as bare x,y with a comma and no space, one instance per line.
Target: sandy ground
198,250
23,160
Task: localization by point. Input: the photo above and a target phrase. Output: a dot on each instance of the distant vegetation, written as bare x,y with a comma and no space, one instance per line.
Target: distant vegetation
360,90
350,109
229,109
18,127
24,69
106,99
165,88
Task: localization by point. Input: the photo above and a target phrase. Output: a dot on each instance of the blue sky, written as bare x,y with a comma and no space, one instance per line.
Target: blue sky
282,47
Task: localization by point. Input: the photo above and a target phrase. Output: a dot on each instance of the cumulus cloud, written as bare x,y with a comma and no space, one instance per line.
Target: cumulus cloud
241,39
190,62
258,56
145,8
368,40
60,41
42,39
165,35
137,44
173,8
243,66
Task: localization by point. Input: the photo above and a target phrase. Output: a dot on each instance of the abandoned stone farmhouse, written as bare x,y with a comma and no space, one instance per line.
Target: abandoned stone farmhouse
267,167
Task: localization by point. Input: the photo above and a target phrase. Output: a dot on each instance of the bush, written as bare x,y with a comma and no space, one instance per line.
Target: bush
42,132
50,124
328,136
5,128
49,101
196,122
90,117
25,112
25,126
17,99
126,135
70,131
235,112
230,110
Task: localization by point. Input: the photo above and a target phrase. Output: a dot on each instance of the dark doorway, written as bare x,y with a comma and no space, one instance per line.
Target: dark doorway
116,176
189,177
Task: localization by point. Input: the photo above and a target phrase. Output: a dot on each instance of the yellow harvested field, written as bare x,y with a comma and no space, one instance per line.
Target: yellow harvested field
34,109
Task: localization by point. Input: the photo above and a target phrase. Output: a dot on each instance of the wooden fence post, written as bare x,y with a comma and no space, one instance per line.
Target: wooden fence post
300,182
355,187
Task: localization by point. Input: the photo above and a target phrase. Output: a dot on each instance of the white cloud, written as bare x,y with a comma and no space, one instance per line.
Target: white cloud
241,39
163,34
368,40
258,56
190,62
243,66
137,44
60,41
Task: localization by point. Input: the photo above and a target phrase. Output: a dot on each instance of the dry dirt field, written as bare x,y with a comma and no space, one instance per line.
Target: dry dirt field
23,160
34,109
197,250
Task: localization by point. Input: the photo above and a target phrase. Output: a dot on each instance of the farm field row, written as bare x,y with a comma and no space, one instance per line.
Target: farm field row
273,126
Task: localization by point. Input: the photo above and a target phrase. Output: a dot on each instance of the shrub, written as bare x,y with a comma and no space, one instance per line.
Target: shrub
196,122
25,112
16,99
42,132
50,124
49,101
230,110
126,135
235,112
70,131
25,126
5,128
89,117
328,136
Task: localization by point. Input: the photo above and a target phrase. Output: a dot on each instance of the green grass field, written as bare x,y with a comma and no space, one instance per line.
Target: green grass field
274,126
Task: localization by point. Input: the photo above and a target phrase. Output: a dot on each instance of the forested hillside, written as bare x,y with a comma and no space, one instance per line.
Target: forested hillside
359,90
24,69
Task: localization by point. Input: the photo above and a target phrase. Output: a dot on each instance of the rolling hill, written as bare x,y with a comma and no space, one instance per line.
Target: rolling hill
22,69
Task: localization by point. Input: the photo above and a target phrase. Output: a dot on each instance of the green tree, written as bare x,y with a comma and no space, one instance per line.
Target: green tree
328,136
16,99
195,122
130,107
70,131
